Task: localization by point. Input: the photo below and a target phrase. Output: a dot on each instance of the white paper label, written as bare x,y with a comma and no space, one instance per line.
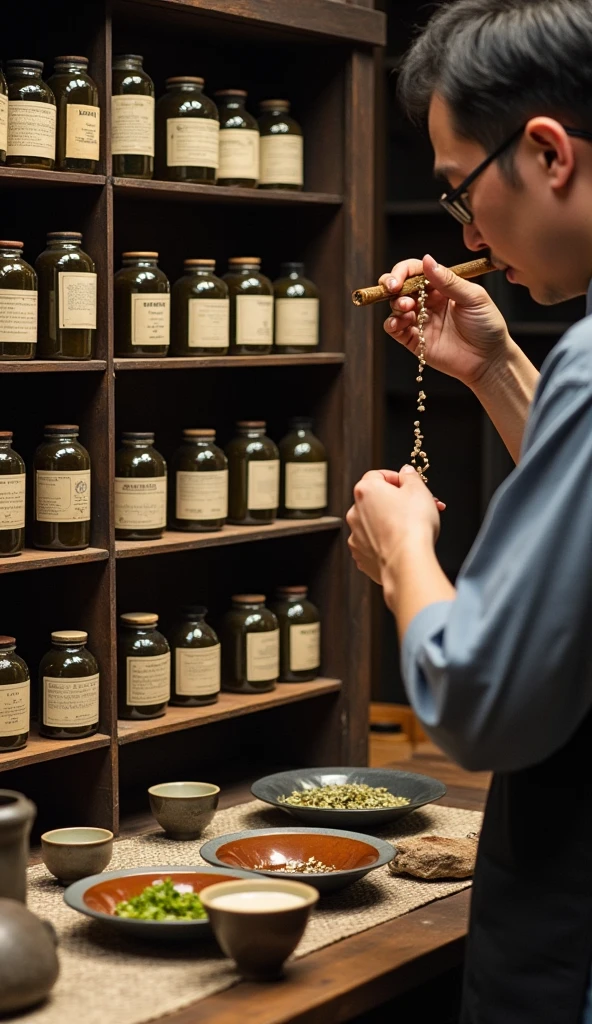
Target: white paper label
263,488
208,323
12,502
254,320
140,502
197,671
239,153
83,131
263,656
72,701
297,321
77,300
31,129
3,121
192,142
62,497
202,495
281,160
132,125
14,708
305,647
18,316
151,319
306,485
148,679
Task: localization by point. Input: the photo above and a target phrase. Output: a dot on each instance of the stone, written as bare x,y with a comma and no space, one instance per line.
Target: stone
434,857
28,960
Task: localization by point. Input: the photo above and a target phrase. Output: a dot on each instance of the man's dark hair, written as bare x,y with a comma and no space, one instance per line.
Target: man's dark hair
498,63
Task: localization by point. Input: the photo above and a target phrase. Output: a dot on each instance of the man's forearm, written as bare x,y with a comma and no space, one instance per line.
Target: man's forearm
420,581
506,392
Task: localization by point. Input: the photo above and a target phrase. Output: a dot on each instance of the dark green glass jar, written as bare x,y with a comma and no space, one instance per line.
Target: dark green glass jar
31,117
303,487
67,298
15,697
195,659
239,140
254,475
140,488
200,311
68,688
18,304
250,646
143,667
78,137
200,481
142,307
12,498
300,635
187,130
282,147
132,118
251,307
3,117
296,310
62,491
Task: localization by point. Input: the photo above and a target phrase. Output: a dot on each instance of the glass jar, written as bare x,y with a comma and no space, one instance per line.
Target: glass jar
195,661
300,635
140,488
303,486
3,117
251,307
78,137
250,646
254,475
296,310
200,474
143,667
12,498
200,312
18,304
15,697
187,130
282,147
132,118
68,688
67,298
142,307
31,140
239,140
62,491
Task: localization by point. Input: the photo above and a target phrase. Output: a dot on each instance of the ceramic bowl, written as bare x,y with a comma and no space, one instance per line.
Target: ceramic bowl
98,896
264,850
184,809
419,789
260,941
72,853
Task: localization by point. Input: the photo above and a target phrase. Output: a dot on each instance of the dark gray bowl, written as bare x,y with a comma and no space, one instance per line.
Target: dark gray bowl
420,790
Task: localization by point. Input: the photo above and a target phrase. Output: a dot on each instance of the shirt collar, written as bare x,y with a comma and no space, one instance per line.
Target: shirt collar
589,300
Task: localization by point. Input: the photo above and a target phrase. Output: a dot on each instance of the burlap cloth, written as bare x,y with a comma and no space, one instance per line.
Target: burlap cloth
104,978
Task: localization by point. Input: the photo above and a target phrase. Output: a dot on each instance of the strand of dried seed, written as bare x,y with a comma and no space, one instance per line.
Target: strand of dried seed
418,453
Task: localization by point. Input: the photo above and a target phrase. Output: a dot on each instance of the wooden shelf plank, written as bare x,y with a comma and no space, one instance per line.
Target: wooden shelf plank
27,177
207,362
175,540
41,749
178,191
230,705
31,558
53,366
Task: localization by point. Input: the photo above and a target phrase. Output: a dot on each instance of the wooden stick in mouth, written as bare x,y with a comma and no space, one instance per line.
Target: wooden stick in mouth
378,293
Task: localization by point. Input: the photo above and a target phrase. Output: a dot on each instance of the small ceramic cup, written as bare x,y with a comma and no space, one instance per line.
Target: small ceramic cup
259,923
73,853
184,809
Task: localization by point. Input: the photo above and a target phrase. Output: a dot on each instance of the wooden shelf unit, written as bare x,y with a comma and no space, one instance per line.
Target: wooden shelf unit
266,43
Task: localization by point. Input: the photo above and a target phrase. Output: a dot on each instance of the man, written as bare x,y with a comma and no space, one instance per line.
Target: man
499,668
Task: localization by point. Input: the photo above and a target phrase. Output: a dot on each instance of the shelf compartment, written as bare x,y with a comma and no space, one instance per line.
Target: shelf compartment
31,558
24,177
41,749
542,328
412,207
53,366
175,540
230,705
205,362
178,191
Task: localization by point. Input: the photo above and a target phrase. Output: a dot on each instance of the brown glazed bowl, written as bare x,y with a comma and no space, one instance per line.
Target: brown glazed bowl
73,853
184,809
263,851
259,941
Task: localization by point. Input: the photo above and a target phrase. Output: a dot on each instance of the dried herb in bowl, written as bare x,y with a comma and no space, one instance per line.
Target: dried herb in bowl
346,797
163,901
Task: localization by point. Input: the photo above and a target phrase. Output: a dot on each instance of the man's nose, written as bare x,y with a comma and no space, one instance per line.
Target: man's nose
473,239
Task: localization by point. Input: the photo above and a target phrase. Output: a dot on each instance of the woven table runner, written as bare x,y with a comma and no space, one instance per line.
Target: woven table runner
106,978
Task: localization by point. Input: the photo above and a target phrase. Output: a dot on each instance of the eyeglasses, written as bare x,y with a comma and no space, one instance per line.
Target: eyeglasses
457,202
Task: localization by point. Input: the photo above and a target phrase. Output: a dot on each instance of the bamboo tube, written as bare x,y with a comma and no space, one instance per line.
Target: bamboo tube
378,293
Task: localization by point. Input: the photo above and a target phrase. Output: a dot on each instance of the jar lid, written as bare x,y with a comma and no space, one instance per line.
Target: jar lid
65,234
292,268
257,424
305,422
245,259
199,432
184,78
68,636
194,610
139,618
137,435
128,56
7,641
138,254
199,263
248,598
293,591
71,60
61,428
231,92
274,105
11,245
16,63
6,435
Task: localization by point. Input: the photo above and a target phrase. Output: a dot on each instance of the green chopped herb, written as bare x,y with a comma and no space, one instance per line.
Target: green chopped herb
349,797
163,901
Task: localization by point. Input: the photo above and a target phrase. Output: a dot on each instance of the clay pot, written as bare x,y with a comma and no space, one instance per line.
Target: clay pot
29,964
16,818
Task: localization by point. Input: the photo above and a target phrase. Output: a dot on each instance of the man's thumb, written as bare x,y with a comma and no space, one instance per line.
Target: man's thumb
407,473
448,284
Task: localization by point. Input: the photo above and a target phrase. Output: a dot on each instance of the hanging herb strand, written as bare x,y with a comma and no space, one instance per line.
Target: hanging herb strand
419,459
